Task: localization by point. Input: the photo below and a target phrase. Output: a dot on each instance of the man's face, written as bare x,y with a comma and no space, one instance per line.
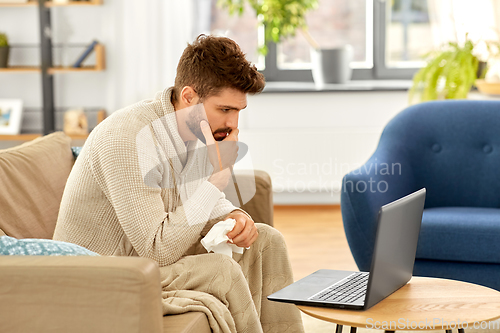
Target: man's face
222,112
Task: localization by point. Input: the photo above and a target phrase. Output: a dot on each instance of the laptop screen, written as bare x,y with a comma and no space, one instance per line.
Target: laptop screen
395,246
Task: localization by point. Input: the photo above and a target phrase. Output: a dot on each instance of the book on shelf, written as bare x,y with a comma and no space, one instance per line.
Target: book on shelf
85,54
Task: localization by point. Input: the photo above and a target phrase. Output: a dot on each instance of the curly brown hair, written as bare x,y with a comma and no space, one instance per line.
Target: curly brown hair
212,63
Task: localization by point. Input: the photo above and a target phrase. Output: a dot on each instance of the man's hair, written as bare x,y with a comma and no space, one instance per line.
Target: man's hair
211,64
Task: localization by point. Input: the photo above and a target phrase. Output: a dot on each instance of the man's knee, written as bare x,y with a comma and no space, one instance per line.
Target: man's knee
223,264
269,235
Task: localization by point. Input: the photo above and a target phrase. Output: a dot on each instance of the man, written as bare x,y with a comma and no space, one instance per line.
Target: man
145,184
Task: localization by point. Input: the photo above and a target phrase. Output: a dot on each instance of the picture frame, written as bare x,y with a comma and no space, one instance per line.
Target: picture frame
10,116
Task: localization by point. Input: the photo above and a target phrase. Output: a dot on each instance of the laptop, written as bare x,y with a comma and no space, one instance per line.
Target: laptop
392,264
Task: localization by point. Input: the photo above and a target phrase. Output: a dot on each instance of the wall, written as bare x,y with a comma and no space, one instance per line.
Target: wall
309,141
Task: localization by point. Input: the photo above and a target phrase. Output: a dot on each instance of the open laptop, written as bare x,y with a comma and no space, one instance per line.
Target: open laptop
392,264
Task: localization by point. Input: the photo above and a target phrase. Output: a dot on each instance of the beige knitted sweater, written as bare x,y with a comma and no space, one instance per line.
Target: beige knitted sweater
137,189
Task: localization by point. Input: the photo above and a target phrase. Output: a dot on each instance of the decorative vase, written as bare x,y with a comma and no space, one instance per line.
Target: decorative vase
4,56
331,65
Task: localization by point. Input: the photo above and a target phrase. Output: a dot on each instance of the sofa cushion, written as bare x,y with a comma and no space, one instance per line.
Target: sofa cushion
467,234
33,176
40,247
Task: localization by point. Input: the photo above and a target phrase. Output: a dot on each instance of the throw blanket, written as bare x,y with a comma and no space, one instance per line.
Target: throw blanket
232,292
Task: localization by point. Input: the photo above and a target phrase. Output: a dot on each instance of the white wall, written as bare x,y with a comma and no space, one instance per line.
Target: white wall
309,141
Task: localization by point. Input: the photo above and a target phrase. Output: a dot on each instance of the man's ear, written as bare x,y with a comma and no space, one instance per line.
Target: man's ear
188,96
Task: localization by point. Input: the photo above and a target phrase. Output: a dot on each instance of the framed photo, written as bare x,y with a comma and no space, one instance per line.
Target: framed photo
10,116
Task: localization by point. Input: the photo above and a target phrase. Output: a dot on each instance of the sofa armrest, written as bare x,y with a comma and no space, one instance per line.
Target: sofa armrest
80,294
260,207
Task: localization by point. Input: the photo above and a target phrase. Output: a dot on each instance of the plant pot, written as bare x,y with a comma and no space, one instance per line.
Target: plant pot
488,88
331,65
4,56
482,68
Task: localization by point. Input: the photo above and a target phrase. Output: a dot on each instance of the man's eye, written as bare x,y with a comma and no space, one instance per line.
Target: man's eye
225,110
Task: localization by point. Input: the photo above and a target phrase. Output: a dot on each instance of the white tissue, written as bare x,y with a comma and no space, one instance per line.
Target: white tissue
217,241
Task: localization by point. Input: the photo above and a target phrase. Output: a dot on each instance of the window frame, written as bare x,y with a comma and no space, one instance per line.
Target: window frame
379,70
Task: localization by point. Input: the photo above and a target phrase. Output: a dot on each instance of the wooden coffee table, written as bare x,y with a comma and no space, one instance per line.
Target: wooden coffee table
422,304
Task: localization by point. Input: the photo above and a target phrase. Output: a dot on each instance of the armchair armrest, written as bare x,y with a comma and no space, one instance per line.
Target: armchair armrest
80,294
260,207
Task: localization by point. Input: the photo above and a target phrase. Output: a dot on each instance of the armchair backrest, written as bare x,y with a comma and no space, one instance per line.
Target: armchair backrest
452,148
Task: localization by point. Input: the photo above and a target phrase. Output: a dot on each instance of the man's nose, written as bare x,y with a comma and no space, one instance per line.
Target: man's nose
232,121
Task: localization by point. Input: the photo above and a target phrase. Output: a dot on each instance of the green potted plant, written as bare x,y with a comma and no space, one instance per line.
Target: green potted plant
4,50
450,73
281,18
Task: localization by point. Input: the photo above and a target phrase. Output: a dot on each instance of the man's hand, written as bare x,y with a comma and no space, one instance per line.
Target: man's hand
222,155
244,232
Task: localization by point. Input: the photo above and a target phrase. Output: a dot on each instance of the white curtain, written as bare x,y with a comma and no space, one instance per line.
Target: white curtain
451,20
144,40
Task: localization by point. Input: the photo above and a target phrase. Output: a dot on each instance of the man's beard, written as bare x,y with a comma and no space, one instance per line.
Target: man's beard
193,123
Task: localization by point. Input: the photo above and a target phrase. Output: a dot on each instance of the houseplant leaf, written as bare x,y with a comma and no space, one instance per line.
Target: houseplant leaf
449,74
281,18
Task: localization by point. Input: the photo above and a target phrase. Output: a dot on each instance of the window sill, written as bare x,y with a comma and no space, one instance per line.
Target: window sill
355,85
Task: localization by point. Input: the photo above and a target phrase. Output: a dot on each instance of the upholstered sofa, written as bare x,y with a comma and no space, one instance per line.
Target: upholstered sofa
452,148
80,293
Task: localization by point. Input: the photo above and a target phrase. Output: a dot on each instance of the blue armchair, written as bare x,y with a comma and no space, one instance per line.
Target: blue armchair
453,149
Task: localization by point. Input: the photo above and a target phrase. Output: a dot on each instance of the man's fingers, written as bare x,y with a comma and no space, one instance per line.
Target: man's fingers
239,226
253,239
246,233
233,136
207,132
245,239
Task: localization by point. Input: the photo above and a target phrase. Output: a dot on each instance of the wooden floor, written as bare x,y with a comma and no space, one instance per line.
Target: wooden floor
315,238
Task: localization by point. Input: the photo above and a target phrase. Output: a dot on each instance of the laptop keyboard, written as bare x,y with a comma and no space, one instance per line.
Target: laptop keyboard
348,290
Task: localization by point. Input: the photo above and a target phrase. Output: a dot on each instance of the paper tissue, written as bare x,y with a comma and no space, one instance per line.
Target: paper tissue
217,241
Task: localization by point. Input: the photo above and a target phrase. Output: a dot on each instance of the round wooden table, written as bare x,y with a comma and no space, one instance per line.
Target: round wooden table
423,304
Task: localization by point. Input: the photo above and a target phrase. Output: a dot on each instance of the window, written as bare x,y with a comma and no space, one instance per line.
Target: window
402,36
242,29
389,37
407,33
335,23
